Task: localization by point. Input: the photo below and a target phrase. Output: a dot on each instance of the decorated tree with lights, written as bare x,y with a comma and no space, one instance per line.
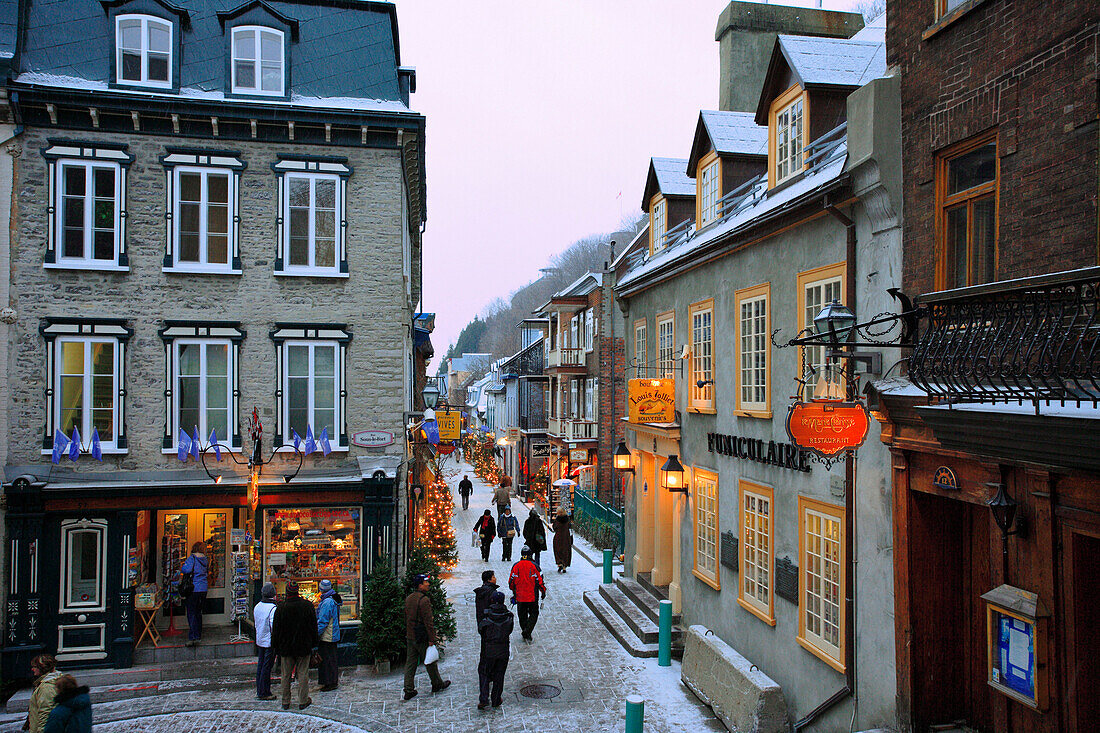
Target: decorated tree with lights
443,611
479,454
435,533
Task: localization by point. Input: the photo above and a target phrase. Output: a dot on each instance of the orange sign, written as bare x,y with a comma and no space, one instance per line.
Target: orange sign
450,424
652,400
828,428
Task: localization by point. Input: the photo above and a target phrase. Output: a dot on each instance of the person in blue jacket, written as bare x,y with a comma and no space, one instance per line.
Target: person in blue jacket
196,564
328,628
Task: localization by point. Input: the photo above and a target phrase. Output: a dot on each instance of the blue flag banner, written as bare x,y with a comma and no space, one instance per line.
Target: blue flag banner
310,445
326,447
297,438
74,446
60,443
183,446
431,430
195,442
97,449
214,442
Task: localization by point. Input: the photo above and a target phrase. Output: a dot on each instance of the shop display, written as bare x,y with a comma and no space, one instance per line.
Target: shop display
173,551
240,567
311,545
213,532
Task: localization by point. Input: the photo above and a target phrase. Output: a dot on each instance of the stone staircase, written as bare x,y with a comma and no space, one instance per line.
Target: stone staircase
630,609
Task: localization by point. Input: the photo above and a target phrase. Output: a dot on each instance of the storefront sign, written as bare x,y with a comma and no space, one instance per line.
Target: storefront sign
828,428
652,400
237,536
783,455
578,455
540,450
372,438
514,434
945,479
276,558
450,425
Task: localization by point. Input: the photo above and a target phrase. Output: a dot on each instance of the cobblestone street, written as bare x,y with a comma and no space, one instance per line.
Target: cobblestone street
571,651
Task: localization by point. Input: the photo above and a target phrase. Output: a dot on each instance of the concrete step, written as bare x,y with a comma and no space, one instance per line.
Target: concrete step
649,603
634,616
618,628
645,580
175,651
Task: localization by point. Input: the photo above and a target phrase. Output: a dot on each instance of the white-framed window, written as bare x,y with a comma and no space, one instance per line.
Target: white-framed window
666,336
641,347
821,583
84,557
202,372
753,350
85,369
706,527
312,218
702,355
658,216
816,288
788,134
87,213
756,556
312,392
589,329
258,61
203,219
143,50
709,185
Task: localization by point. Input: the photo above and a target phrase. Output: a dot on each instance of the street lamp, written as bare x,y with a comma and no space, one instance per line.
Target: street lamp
835,320
623,458
1004,509
431,394
672,475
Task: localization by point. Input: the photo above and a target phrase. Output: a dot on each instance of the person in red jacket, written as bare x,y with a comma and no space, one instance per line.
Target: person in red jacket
526,584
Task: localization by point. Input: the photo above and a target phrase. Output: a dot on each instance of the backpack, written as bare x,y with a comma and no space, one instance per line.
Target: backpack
186,585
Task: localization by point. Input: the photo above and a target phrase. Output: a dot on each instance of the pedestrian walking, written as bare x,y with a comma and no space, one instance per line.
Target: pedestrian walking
563,540
465,488
502,497
293,637
507,529
534,535
495,628
263,614
196,566
328,627
526,584
72,712
44,671
486,530
419,635
483,592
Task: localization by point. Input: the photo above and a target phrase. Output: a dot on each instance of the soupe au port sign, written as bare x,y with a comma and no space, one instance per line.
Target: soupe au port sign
828,428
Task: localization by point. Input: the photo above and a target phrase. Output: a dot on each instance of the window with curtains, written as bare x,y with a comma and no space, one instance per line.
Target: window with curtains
88,388
706,527
821,582
816,288
666,346
753,349
756,556
966,190
702,356
312,393
641,348
312,216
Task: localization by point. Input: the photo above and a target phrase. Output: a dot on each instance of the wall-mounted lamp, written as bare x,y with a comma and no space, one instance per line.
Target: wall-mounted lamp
417,491
502,441
431,394
1004,509
623,458
672,475
700,383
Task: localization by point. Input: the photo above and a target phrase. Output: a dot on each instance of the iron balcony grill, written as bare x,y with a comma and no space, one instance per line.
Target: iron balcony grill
1030,340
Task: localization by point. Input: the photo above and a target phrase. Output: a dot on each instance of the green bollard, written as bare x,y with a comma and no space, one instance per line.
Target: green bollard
607,560
635,713
664,635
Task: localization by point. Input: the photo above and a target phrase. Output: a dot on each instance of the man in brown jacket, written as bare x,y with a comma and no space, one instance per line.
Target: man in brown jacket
419,635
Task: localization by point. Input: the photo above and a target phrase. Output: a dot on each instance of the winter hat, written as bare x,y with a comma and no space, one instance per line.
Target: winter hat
291,589
488,512
326,585
534,513
507,510
268,592
418,579
496,598
487,575
525,552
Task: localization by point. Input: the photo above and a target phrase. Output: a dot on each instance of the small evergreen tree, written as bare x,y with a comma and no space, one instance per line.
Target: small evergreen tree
382,616
443,611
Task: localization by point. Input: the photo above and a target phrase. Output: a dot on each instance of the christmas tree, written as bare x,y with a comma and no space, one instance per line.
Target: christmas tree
443,612
382,616
480,455
435,533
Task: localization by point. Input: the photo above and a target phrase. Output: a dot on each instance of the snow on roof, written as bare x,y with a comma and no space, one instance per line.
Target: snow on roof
873,31
734,133
580,286
630,248
671,178
834,61
1084,411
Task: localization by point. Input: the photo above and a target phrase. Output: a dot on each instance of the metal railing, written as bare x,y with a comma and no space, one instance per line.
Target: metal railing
1028,340
566,357
586,504
569,428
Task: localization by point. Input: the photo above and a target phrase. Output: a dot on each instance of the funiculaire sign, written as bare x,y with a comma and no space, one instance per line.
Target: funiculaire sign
783,455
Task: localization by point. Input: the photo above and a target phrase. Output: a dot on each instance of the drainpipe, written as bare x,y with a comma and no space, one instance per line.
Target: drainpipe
849,688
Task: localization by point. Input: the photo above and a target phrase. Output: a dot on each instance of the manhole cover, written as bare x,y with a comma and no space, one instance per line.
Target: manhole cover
540,692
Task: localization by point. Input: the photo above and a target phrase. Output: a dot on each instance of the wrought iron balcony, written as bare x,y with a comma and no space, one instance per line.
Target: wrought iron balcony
1027,340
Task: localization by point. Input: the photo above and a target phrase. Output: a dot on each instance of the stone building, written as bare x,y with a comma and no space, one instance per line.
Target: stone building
218,216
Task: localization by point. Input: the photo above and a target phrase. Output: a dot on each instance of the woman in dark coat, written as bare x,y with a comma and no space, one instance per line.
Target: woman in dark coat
563,541
72,712
534,535
486,530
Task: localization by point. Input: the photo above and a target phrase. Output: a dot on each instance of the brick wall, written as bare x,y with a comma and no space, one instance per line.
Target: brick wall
1029,69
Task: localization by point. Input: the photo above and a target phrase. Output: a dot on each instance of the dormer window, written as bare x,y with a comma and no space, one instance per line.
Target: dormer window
658,216
258,61
143,46
788,135
710,188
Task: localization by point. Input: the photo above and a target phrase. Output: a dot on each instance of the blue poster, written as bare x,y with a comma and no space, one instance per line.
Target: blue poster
1016,655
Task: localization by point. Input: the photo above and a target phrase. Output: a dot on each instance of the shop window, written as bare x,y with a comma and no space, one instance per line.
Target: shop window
821,582
756,556
641,348
143,46
702,357
311,545
706,527
788,135
202,371
84,557
666,346
816,288
312,217
87,223
966,193
753,346
312,392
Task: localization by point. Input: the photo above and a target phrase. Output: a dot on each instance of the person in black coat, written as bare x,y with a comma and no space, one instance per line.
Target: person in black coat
495,628
486,529
484,593
465,488
534,536
72,712
293,637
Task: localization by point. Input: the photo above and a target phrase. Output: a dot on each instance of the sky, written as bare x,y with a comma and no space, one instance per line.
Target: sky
541,120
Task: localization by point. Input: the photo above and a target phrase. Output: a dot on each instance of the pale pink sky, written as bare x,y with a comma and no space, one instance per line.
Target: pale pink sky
538,115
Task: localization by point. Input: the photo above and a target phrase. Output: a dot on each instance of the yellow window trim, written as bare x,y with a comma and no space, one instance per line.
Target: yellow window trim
701,404
778,105
716,581
836,512
656,199
755,291
768,616
704,163
945,201
807,278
